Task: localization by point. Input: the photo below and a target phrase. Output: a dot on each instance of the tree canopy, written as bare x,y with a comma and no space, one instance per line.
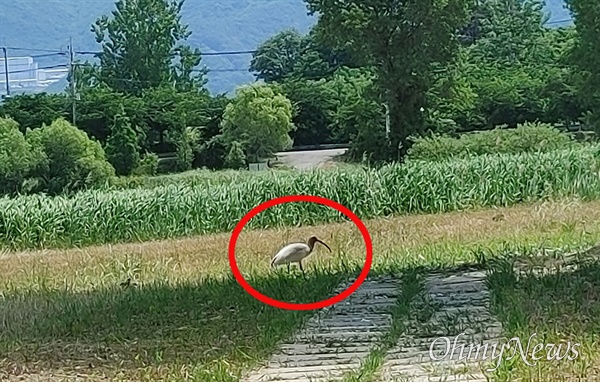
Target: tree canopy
142,47
260,119
401,41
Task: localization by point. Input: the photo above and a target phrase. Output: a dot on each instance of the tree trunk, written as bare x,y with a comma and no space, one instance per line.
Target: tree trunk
406,119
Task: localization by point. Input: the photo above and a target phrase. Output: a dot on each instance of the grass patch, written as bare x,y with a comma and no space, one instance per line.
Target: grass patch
560,307
95,217
62,311
134,331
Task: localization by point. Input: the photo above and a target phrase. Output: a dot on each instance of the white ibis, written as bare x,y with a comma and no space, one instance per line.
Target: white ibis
296,252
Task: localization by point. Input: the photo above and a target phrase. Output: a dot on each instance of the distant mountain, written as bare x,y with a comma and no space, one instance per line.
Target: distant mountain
216,25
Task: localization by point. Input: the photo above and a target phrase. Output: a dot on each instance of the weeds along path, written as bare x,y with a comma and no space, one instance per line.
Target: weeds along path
453,311
336,340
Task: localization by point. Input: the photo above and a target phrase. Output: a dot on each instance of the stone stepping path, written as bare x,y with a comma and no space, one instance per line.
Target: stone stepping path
337,339
459,306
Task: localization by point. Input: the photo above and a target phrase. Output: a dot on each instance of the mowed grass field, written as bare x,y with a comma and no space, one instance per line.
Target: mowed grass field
63,312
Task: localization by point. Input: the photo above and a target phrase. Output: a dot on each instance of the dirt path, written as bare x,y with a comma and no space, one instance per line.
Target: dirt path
308,160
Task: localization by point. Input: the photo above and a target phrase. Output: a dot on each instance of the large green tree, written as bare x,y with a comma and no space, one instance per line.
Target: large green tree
142,47
509,32
586,54
402,40
260,119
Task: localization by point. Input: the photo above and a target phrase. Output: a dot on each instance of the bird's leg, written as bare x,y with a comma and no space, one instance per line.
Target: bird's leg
302,269
288,267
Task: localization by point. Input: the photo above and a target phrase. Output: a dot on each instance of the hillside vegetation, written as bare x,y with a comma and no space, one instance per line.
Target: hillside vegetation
217,26
221,25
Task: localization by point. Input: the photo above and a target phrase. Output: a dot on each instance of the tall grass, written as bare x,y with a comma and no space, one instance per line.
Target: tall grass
191,178
95,217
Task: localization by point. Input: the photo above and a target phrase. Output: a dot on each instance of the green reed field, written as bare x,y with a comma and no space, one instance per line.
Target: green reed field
177,210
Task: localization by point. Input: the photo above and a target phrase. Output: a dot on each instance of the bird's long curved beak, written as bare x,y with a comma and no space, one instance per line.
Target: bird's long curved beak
324,245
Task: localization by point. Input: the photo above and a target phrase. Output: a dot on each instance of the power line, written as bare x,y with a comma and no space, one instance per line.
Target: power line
559,21
91,52
45,67
35,49
223,70
229,53
49,54
226,53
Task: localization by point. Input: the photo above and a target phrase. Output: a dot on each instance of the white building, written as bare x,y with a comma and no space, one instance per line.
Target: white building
24,75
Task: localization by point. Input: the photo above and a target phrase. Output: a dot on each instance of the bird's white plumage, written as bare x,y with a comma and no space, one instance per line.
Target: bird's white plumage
291,253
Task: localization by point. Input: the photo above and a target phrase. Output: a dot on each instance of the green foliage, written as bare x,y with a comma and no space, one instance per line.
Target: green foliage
236,159
453,99
139,46
328,110
508,95
159,117
358,117
307,71
260,119
32,111
212,153
509,31
276,58
526,138
16,158
69,160
122,147
401,42
355,106
187,143
513,71
99,106
291,56
586,55
148,165
94,217
314,103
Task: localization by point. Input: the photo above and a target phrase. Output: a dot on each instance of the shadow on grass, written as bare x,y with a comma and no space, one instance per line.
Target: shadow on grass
162,329
552,300
150,325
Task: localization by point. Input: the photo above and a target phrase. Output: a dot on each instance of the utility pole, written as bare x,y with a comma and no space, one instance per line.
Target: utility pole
6,71
72,76
387,121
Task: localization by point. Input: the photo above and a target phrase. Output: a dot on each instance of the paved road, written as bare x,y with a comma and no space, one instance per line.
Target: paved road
307,160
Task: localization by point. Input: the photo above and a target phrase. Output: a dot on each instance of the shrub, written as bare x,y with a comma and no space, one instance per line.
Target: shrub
16,158
70,160
259,118
528,137
148,165
122,147
236,159
212,153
